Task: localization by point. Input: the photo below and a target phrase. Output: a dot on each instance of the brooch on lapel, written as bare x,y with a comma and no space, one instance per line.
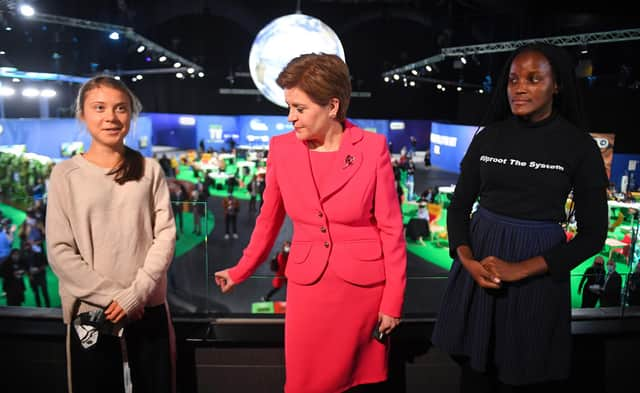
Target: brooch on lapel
348,161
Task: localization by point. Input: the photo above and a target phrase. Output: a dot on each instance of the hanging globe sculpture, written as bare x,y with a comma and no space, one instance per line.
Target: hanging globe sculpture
280,41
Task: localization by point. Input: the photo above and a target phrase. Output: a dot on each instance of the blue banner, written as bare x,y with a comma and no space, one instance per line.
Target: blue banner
449,143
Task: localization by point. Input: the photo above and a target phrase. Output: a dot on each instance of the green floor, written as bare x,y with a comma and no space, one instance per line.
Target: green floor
186,241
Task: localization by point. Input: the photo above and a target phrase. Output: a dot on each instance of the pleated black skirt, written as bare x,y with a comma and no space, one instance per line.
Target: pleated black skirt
523,329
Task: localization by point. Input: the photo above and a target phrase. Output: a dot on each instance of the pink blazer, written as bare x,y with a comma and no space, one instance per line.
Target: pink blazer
356,226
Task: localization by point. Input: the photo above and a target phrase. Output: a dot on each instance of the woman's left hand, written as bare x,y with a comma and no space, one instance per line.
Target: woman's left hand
504,270
387,323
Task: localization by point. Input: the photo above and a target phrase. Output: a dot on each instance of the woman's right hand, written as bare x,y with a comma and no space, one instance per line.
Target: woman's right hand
224,280
484,277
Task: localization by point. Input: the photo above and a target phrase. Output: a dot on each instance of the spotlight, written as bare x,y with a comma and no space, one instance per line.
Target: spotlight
6,91
141,49
48,93
117,77
162,59
30,92
27,10
114,36
463,60
2,52
459,88
139,77
480,91
179,75
386,79
412,83
177,64
414,72
428,68
8,28
147,59
16,80
396,77
439,86
201,74
190,70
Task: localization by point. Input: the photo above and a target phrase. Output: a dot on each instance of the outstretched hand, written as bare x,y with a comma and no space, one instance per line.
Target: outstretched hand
224,280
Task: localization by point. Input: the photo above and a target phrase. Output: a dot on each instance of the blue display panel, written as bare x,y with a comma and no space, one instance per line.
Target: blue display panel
60,138
449,143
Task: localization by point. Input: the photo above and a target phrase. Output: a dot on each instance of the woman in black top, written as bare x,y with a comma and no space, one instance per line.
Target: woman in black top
506,312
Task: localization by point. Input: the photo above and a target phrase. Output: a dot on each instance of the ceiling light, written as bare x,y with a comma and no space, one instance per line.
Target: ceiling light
162,59
114,36
48,93
201,74
30,92
141,49
6,91
27,10
428,68
177,64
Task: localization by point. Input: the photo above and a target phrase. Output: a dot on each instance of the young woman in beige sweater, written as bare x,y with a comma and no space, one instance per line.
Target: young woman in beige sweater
110,239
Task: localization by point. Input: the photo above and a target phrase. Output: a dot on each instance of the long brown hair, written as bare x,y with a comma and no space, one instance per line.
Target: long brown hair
132,165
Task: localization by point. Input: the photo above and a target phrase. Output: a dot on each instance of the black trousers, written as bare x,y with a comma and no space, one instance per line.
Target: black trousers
230,221
39,284
100,368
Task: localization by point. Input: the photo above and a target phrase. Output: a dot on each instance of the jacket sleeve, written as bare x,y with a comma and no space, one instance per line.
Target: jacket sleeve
159,255
268,223
389,221
74,273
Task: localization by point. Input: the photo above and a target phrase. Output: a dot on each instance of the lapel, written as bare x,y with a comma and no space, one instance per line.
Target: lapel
348,162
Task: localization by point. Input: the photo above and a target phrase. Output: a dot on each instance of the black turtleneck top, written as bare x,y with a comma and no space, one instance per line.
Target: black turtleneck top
526,170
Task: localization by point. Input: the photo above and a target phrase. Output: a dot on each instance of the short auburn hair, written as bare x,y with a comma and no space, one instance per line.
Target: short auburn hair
322,77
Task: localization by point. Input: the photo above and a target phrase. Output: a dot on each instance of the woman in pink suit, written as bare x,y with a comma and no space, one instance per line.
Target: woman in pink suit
346,268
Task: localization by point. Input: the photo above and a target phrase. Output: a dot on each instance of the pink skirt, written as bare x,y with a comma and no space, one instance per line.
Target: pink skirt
328,342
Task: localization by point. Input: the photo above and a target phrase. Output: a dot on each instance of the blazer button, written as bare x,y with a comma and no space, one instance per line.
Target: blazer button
323,229
326,244
320,214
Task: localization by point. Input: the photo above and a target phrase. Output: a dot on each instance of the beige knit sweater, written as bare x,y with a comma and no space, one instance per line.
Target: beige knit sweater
107,241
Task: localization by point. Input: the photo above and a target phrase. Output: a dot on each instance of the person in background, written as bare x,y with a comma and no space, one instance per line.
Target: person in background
278,266
36,263
346,271
12,271
110,239
591,282
634,286
506,312
611,291
7,230
230,206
